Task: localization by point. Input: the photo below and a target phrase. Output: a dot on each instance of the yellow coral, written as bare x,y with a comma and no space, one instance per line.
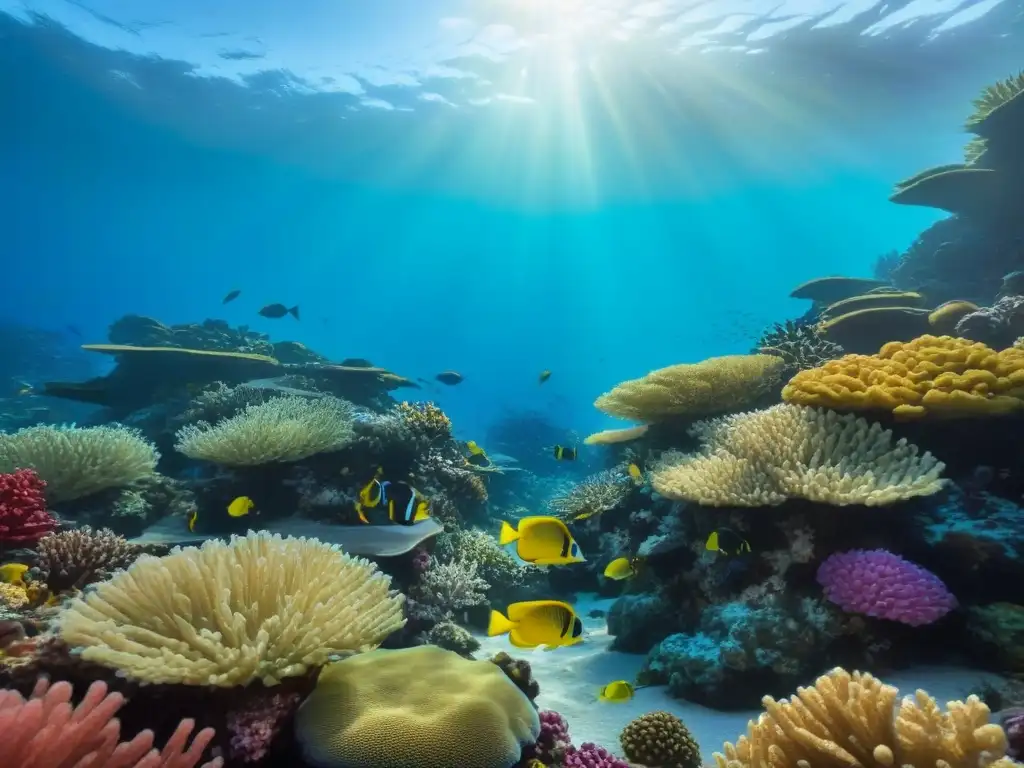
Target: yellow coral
12,596
425,419
615,436
938,376
420,707
693,389
847,720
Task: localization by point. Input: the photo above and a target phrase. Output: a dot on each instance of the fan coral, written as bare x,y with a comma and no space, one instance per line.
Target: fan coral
284,429
765,457
661,739
254,726
598,493
700,389
78,462
73,559
589,755
880,584
256,608
425,420
852,720
801,346
46,732
23,515
929,376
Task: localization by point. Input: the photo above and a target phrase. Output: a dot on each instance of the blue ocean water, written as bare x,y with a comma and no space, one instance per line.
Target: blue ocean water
502,187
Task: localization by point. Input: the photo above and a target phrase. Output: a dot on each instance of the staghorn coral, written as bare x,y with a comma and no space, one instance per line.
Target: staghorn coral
77,462
801,346
694,389
73,559
598,493
853,720
447,587
258,607
660,739
23,515
763,458
47,732
425,420
934,376
420,707
284,429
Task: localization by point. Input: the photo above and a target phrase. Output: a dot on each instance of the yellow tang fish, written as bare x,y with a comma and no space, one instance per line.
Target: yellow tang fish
550,623
241,506
622,568
617,692
727,542
13,573
565,454
636,473
193,518
542,540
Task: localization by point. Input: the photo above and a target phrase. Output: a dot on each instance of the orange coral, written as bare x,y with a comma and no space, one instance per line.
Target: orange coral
938,376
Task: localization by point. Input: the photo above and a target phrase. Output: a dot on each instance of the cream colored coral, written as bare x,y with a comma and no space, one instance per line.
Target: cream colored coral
616,436
763,458
259,607
282,429
420,707
77,462
699,389
848,721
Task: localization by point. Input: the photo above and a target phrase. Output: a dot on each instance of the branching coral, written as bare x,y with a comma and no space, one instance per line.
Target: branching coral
73,559
493,564
77,462
998,325
699,389
854,720
23,515
596,494
220,402
256,608
281,430
425,420
445,588
801,346
763,458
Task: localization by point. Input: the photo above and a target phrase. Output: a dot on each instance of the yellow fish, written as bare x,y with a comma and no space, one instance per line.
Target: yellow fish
617,692
13,573
622,568
550,623
636,473
544,376
405,505
241,506
477,456
727,542
565,454
542,540
587,513
193,518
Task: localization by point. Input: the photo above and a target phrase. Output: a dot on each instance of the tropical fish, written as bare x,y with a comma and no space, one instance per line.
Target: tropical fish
727,542
25,389
550,623
544,376
617,692
622,568
477,456
565,454
193,518
450,378
13,573
404,503
584,515
232,295
542,540
241,506
636,474
274,311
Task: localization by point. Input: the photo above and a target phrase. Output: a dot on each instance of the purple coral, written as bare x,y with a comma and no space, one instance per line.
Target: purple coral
592,756
254,725
554,738
880,584
1013,725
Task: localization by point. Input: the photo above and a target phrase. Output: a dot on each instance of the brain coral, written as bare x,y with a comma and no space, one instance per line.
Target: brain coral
420,707
937,376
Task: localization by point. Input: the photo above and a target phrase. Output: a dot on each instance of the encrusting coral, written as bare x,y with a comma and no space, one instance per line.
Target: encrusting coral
763,458
259,607
660,739
73,559
938,376
418,707
849,720
284,429
77,462
694,389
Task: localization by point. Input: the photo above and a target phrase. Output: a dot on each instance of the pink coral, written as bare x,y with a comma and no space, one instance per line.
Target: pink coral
254,726
880,584
592,756
23,515
46,732
553,740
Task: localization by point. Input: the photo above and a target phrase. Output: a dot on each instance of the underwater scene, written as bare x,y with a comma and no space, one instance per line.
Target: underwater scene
512,384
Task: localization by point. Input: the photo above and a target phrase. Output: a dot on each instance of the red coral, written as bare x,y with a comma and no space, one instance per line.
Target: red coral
23,515
46,732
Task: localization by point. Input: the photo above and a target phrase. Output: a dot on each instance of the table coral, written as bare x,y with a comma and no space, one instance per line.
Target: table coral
933,376
23,515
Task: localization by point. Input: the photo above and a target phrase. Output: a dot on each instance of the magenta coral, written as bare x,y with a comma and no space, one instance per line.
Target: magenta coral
880,584
254,726
23,515
46,732
592,756
553,740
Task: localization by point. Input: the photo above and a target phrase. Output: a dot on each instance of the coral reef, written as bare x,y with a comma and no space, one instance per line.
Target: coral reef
519,672
444,588
800,345
595,494
997,326
661,739
75,559
254,726
452,637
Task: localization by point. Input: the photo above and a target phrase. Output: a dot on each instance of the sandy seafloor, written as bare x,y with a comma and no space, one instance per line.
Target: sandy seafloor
570,679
